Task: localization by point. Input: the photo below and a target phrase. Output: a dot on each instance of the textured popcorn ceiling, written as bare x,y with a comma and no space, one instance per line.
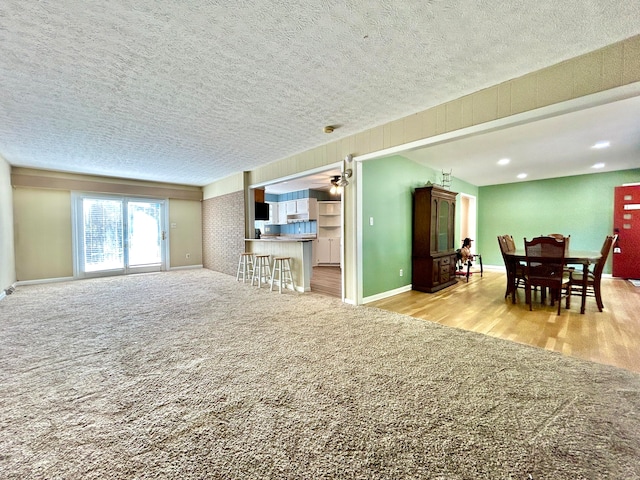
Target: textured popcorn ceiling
191,92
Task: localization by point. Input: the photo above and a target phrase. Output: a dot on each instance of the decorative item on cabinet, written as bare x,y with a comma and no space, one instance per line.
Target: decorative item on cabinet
433,252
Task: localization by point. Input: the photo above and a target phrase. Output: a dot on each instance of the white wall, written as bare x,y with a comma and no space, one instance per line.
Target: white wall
7,256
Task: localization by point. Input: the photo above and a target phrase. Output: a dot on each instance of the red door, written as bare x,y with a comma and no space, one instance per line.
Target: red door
626,223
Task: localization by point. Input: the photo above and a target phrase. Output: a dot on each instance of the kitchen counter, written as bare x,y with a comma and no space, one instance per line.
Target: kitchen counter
298,248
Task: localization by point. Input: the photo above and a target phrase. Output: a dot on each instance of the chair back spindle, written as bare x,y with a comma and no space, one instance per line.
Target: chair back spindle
545,265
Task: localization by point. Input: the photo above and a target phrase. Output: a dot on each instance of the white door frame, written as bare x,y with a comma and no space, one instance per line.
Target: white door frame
468,219
78,228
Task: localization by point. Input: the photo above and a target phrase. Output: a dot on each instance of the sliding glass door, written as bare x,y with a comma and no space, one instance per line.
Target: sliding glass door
118,235
144,235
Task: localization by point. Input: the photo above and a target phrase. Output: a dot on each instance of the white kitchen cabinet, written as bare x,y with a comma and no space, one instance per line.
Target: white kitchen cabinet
301,210
273,214
328,251
329,232
302,206
282,213
291,207
323,252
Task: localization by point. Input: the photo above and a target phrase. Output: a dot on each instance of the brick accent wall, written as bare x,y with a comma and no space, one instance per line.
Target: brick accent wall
223,232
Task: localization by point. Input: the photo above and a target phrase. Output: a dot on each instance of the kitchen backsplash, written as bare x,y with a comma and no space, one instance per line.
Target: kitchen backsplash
291,228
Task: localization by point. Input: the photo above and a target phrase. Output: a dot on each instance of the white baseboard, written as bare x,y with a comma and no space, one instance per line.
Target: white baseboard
493,268
44,280
389,293
186,267
406,288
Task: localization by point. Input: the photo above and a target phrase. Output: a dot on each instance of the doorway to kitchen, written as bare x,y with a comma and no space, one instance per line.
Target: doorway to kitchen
116,235
319,222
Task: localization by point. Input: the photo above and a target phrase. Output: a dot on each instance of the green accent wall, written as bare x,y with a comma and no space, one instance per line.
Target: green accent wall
580,206
387,196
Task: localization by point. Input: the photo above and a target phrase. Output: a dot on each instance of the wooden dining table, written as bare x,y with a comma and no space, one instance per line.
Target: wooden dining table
572,257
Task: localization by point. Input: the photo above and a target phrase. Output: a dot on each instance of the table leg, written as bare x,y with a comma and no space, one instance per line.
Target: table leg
585,282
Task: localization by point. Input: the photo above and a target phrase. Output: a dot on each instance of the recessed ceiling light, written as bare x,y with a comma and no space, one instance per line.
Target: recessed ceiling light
522,175
598,165
504,161
603,144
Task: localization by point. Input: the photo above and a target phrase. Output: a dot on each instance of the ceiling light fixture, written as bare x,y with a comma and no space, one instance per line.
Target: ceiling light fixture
343,178
504,161
602,144
522,175
598,165
335,187
328,129
338,182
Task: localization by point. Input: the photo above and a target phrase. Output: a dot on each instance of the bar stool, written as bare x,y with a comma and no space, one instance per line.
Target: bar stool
282,266
245,267
261,270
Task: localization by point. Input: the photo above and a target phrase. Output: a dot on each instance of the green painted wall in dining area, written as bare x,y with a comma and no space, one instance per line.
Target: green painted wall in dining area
387,196
580,206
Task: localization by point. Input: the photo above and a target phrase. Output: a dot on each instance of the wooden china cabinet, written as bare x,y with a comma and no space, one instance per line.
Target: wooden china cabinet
433,254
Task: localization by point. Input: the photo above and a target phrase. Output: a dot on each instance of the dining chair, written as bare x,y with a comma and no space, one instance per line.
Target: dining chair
510,242
576,279
544,267
461,264
515,271
560,236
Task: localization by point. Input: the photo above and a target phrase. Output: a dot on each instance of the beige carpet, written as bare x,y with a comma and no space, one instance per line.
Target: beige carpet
190,374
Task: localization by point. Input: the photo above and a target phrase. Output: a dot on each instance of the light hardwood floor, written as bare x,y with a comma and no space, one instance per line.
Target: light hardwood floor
610,337
327,281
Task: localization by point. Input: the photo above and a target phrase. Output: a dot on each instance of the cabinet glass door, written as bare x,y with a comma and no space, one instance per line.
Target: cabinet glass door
443,226
434,225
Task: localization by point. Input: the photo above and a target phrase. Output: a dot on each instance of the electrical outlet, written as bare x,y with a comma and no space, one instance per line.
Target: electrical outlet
401,272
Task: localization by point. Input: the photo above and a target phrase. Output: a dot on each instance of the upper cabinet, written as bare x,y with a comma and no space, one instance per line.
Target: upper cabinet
293,211
273,214
282,212
296,207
